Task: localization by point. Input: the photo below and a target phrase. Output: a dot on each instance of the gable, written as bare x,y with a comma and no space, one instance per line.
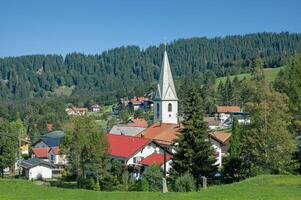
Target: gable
169,94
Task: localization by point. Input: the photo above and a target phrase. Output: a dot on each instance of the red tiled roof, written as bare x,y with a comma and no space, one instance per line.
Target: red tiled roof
125,146
55,150
49,127
40,152
226,109
138,122
155,158
163,134
138,99
221,137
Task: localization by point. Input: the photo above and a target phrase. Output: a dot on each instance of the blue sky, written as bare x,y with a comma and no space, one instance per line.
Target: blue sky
87,26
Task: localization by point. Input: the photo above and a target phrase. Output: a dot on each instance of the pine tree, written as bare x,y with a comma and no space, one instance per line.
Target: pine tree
194,152
228,91
235,139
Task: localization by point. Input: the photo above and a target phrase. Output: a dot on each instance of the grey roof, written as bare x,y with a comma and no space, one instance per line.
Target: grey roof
166,89
126,130
32,162
55,134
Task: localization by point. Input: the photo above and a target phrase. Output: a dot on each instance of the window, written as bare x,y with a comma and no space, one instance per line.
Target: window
158,110
169,107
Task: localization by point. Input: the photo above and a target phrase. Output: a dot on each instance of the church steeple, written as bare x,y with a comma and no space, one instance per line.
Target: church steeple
166,100
166,88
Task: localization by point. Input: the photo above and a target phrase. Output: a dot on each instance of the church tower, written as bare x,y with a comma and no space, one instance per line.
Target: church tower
166,100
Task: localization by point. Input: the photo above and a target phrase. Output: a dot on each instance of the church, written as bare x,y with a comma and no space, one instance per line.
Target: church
166,119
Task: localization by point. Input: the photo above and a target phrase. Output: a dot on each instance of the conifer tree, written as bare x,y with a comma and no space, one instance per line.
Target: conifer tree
235,139
194,152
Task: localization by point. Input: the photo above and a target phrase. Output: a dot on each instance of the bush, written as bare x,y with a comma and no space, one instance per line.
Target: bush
142,185
185,183
234,170
154,176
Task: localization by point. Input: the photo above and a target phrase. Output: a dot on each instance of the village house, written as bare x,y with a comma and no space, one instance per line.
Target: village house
47,148
76,111
95,108
131,151
124,129
35,168
225,112
56,157
220,141
137,102
157,159
132,128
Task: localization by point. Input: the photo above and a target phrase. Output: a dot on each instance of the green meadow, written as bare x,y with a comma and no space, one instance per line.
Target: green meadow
262,187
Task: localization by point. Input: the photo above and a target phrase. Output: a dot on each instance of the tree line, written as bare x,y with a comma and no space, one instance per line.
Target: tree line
130,71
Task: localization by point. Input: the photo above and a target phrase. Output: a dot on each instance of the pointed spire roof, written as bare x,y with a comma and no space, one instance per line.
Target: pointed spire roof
166,88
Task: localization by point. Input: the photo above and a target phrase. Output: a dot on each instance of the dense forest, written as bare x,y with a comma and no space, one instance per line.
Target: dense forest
129,71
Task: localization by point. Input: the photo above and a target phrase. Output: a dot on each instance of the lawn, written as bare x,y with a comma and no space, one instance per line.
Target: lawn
261,187
270,74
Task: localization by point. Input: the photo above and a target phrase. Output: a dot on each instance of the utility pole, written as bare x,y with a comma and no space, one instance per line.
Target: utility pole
164,190
19,150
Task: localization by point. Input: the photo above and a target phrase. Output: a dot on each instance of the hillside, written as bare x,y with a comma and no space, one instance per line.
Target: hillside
270,74
262,187
129,71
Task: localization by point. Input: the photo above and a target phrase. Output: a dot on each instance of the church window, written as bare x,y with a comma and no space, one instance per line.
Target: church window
169,107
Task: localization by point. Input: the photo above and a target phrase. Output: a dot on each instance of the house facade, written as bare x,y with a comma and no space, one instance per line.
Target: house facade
221,145
35,168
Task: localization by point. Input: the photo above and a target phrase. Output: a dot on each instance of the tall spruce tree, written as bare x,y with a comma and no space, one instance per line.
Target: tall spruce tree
194,152
235,139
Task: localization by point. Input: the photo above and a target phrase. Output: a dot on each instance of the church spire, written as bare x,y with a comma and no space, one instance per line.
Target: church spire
166,100
166,88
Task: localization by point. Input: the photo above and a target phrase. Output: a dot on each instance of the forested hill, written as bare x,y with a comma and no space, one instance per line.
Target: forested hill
128,71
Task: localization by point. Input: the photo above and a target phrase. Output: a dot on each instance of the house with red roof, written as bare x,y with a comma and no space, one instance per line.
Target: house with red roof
56,157
131,150
157,159
224,112
138,102
221,143
41,153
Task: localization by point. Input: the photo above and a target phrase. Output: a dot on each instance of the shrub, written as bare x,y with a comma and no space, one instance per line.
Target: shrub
153,175
185,183
142,185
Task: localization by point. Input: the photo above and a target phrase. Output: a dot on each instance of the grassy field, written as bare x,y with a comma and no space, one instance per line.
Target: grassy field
262,187
270,74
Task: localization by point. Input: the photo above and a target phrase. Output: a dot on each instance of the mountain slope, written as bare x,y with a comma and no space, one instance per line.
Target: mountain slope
129,71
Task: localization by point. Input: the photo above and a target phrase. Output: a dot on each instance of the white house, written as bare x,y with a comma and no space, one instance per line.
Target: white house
35,168
55,156
220,142
224,112
95,108
131,150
